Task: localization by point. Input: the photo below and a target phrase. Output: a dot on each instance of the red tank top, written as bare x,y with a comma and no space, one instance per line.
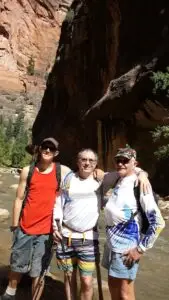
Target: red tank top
37,213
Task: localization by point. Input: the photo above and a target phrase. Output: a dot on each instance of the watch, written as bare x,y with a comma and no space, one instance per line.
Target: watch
140,250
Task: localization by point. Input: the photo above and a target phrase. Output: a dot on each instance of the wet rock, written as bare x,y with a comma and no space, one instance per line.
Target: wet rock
166,198
164,205
14,186
4,214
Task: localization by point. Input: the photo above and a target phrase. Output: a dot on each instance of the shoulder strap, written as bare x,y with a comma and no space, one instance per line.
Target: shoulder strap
137,196
58,174
30,173
103,200
145,223
136,190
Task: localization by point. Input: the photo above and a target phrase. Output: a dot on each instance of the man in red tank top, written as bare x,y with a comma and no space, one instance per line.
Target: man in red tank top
32,231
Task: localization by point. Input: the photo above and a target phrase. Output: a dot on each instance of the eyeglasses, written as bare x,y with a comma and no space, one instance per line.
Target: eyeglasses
51,147
90,160
122,161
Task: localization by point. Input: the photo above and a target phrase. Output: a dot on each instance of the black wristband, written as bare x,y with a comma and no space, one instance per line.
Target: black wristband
12,228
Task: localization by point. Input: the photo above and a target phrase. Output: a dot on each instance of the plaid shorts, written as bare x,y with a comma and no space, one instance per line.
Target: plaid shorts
81,254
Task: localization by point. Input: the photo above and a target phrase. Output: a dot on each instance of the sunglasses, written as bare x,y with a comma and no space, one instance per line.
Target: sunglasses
51,147
122,161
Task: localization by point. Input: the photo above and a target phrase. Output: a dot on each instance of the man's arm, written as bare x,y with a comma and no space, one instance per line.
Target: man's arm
109,181
58,211
111,178
19,196
156,225
155,219
64,171
58,206
142,179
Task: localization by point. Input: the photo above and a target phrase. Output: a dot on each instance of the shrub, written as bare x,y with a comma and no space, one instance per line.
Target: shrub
13,140
31,66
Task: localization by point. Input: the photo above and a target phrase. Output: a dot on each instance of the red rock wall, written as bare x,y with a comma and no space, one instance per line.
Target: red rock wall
28,28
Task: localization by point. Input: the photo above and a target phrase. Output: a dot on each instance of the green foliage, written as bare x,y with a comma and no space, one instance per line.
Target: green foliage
9,130
161,82
19,124
70,16
13,140
161,134
31,66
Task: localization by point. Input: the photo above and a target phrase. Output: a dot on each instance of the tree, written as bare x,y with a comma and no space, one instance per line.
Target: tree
161,82
161,133
2,144
13,140
9,130
18,125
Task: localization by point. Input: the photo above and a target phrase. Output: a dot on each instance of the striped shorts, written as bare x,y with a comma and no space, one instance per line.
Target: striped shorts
81,254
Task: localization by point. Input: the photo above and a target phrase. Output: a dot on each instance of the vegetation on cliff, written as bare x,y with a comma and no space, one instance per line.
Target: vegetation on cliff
13,140
161,133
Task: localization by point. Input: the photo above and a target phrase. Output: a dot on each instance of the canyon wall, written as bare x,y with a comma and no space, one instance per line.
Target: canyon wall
29,32
99,93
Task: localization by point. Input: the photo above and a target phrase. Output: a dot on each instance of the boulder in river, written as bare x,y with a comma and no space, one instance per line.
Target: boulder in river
14,186
4,214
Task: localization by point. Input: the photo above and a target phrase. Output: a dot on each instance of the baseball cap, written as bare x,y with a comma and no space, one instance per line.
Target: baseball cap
51,140
126,152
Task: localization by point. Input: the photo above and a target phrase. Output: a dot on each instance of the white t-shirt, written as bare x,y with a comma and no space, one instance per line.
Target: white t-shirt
78,207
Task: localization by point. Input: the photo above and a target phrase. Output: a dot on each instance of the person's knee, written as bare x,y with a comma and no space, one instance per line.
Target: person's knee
86,283
124,295
68,276
126,290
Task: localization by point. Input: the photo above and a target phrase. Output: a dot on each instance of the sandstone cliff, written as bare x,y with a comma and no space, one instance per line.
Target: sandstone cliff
29,29
83,104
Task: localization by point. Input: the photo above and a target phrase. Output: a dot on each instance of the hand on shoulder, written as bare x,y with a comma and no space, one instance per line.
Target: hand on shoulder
64,171
98,174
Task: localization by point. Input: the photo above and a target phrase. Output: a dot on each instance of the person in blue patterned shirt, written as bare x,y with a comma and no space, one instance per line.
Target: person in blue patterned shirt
125,242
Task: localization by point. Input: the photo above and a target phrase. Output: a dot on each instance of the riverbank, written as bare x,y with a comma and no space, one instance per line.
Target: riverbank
152,280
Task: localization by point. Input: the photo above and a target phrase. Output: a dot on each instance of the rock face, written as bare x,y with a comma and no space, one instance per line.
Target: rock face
29,30
102,41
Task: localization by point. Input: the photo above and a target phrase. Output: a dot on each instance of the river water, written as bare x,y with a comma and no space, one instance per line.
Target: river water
152,280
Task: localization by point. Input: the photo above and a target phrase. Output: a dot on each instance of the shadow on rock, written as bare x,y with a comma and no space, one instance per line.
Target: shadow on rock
54,289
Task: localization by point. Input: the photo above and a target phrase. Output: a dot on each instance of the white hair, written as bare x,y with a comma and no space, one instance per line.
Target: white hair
87,150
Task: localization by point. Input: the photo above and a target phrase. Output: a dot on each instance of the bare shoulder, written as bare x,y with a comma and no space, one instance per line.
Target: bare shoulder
24,173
